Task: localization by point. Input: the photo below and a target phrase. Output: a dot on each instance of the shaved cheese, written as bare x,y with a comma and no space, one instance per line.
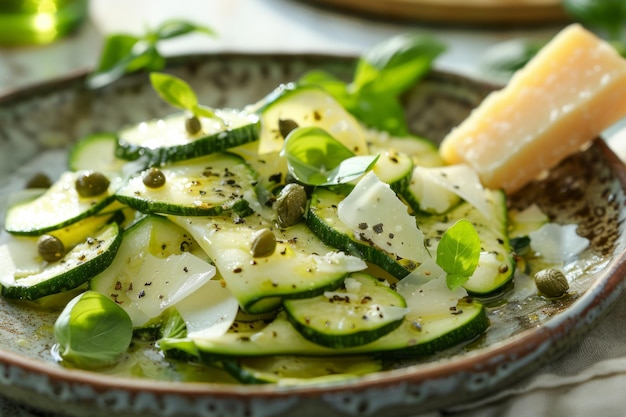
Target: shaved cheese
209,311
459,180
571,91
375,214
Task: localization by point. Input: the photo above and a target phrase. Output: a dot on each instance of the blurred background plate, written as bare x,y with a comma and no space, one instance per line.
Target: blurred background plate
492,12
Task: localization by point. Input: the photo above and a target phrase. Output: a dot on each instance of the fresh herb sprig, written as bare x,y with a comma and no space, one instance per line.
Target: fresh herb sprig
314,157
458,253
93,331
179,93
124,53
607,18
381,75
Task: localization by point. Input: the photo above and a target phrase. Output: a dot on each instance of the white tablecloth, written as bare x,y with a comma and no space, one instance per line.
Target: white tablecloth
588,380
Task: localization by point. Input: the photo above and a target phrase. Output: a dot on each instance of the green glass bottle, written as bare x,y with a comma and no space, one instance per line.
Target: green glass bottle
24,22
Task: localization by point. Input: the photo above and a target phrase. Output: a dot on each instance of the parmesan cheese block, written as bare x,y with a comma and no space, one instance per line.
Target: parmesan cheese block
572,90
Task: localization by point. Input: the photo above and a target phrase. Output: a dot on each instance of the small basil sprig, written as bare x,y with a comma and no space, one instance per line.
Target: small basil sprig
314,157
382,74
606,16
124,53
179,94
93,331
458,253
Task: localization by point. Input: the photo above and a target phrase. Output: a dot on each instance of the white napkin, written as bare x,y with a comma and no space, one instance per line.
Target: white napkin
588,380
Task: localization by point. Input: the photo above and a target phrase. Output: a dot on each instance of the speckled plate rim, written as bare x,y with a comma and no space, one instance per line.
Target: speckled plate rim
487,369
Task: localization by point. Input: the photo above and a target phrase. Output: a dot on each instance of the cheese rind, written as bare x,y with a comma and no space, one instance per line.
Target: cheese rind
572,90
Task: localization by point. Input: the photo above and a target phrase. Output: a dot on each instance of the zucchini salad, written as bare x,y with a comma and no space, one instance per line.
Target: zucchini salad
291,241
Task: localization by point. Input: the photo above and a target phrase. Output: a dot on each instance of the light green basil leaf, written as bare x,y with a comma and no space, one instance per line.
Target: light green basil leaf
116,48
123,53
93,331
314,157
203,111
141,55
174,91
458,252
331,84
176,27
382,112
606,15
391,67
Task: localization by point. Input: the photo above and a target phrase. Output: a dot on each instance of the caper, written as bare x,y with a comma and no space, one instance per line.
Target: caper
91,183
193,125
153,178
50,248
263,243
551,282
39,180
290,205
285,126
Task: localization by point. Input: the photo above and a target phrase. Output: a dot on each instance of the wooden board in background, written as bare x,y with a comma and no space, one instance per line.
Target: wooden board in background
491,12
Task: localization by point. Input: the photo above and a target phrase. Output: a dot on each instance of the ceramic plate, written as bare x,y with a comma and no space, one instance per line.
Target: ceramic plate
38,123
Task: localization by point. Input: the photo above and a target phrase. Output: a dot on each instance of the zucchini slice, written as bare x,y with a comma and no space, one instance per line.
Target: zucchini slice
323,220
154,268
95,152
412,340
298,370
496,265
300,266
361,311
395,169
57,207
78,265
303,107
167,140
423,152
206,186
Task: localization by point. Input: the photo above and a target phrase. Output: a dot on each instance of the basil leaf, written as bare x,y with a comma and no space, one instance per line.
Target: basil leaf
607,15
334,86
93,331
382,112
176,27
458,252
381,75
500,61
314,157
174,91
123,53
392,66
116,48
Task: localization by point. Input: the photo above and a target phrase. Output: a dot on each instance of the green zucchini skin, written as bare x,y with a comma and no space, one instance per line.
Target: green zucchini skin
301,266
411,340
348,316
323,220
74,269
210,185
297,370
132,144
497,264
58,207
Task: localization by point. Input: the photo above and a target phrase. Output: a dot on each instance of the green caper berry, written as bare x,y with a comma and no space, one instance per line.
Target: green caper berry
263,243
39,180
154,178
290,205
193,125
285,126
50,248
551,282
91,183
